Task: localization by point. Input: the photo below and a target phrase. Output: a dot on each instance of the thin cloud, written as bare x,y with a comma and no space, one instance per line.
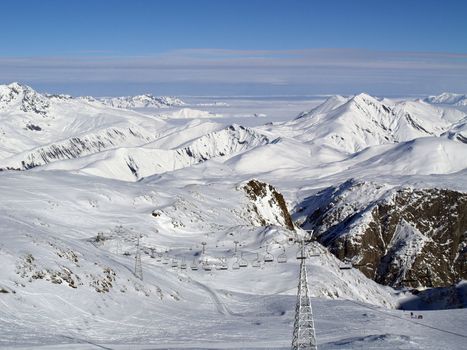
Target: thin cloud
336,69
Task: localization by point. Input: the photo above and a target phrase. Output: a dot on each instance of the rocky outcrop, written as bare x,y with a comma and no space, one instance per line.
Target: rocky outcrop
397,236
268,204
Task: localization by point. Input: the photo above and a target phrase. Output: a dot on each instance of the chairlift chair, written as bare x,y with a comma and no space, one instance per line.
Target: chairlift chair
183,265
174,263
194,265
282,258
346,264
268,257
153,253
236,264
206,266
242,262
257,261
301,254
313,252
224,265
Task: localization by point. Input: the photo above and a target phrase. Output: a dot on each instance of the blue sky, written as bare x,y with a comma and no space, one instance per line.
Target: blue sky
235,47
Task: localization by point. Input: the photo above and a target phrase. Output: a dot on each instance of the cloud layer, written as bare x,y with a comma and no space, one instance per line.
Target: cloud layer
199,71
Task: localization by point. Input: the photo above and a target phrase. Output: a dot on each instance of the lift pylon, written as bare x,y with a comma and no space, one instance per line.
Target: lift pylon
138,265
304,337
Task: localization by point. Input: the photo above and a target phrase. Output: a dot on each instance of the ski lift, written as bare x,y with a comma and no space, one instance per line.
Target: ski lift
183,265
313,252
282,258
257,261
174,263
194,265
346,264
242,262
301,254
223,264
207,266
268,257
153,253
236,264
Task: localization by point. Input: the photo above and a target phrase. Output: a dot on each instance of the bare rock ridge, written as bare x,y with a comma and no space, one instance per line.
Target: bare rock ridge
265,197
399,236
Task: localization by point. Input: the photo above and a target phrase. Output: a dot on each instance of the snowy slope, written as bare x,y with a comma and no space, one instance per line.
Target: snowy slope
55,268
425,156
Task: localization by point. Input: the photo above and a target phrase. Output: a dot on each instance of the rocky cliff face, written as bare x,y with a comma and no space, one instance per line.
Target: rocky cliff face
268,204
396,236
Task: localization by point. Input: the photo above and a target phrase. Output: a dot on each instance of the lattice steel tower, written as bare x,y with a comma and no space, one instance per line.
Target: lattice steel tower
138,265
304,329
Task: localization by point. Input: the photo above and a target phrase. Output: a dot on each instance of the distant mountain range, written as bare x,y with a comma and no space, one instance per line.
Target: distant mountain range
142,101
448,98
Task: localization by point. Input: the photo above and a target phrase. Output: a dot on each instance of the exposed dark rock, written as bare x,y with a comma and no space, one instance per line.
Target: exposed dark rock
396,236
33,127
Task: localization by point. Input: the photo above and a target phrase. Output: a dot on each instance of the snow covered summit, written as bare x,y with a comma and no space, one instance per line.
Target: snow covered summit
352,124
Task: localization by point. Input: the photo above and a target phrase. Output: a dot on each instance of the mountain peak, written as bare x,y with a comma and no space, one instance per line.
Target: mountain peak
332,102
23,97
364,97
14,88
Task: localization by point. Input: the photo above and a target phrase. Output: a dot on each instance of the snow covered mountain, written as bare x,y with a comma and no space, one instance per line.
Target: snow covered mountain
382,183
131,164
142,101
448,98
353,124
36,129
